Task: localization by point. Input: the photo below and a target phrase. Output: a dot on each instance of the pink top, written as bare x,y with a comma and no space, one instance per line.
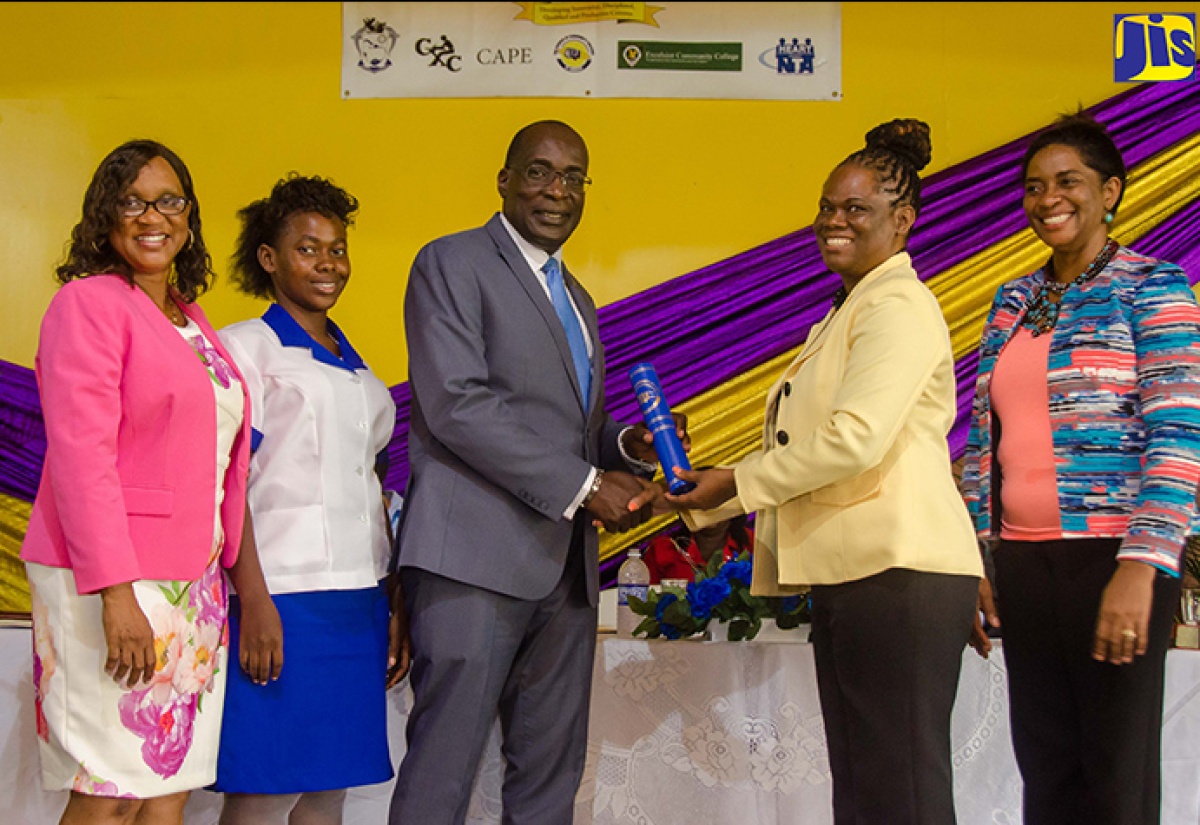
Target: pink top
129,484
1021,401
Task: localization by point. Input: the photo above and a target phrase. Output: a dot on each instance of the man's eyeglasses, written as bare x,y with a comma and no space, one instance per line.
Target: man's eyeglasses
168,206
542,176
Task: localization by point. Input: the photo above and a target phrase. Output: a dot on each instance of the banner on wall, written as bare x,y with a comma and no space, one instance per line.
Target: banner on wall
731,51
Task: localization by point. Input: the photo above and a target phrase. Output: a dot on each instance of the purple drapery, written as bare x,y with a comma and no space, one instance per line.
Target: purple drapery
22,435
706,327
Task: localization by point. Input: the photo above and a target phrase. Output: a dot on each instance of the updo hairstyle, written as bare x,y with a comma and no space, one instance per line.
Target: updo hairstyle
897,151
263,222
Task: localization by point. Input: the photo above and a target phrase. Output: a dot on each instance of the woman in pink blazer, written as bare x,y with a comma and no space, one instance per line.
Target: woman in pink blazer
140,503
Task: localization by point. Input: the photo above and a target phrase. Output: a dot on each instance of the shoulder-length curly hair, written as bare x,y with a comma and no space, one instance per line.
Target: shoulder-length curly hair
263,222
89,251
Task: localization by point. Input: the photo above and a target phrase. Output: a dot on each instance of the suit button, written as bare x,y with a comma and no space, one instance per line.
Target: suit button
787,388
782,438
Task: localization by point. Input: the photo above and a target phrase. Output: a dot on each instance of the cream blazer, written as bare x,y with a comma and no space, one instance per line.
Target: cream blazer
854,475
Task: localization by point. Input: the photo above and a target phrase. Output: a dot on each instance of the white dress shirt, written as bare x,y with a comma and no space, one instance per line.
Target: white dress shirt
320,423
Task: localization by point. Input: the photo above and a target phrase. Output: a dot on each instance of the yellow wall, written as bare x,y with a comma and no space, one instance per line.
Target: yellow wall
246,92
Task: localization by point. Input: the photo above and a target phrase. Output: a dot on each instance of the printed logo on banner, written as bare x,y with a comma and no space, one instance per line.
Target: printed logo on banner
374,43
441,54
504,56
794,57
1154,47
574,53
695,57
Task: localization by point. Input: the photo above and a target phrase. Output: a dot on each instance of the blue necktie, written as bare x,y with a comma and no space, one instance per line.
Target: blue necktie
570,322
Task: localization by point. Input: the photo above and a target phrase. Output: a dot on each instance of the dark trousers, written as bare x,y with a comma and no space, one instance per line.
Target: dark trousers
888,651
1086,734
477,654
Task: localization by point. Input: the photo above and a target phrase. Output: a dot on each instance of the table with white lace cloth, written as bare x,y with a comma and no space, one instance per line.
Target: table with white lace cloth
703,733
731,732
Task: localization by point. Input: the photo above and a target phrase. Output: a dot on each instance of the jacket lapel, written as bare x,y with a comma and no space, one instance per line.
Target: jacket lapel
1015,304
164,329
816,340
519,267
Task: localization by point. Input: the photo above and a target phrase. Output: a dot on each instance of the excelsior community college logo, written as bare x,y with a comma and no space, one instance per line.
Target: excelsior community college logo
1154,47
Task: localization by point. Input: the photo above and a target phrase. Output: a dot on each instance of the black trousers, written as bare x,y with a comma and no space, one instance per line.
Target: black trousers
1086,734
888,651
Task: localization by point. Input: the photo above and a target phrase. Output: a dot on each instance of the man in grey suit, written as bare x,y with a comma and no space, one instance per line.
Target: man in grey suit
513,463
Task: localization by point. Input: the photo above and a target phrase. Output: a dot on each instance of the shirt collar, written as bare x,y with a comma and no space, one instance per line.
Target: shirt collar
536,258
901,258
291,334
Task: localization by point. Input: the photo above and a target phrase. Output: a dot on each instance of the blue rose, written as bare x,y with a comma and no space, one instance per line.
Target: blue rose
668,630
706,594
740,570
664,601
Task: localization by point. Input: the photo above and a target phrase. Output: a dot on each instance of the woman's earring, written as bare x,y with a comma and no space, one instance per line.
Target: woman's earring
192,236
1108,217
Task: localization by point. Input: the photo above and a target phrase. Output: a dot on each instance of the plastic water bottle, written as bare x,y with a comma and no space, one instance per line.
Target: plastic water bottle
633,579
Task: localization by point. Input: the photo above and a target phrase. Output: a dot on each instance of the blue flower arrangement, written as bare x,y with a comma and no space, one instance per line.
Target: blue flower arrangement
720,592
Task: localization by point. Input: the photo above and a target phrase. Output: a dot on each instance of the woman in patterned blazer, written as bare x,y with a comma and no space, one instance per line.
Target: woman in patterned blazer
1081,475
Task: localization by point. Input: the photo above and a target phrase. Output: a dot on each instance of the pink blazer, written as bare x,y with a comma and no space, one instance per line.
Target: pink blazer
128,487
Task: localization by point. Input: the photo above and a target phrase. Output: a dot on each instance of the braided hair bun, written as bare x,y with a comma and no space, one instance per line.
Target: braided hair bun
897,151
907,139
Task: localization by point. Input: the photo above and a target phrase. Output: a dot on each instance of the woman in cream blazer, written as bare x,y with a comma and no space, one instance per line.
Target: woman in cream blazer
855,498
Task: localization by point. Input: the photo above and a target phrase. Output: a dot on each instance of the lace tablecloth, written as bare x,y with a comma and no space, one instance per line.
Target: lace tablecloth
720,732
706,733
709,732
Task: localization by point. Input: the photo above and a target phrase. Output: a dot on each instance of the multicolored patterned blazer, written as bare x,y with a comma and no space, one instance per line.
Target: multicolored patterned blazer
1124,383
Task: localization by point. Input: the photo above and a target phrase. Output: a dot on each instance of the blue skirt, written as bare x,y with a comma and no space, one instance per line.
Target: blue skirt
323,724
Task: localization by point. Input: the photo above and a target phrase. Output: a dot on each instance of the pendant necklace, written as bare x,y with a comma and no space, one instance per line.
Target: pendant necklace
173,314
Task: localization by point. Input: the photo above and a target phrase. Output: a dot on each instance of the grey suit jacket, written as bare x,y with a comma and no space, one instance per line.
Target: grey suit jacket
499,441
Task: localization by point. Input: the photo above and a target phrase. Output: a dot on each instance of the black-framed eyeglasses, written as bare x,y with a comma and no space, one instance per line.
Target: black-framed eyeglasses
168,206
541,176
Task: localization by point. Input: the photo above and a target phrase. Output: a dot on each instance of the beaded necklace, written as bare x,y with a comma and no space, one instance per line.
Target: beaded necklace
1042,314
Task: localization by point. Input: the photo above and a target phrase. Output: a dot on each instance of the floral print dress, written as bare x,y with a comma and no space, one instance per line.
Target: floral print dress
99,738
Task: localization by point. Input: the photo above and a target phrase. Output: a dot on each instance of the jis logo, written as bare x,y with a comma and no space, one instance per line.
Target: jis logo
1152,47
